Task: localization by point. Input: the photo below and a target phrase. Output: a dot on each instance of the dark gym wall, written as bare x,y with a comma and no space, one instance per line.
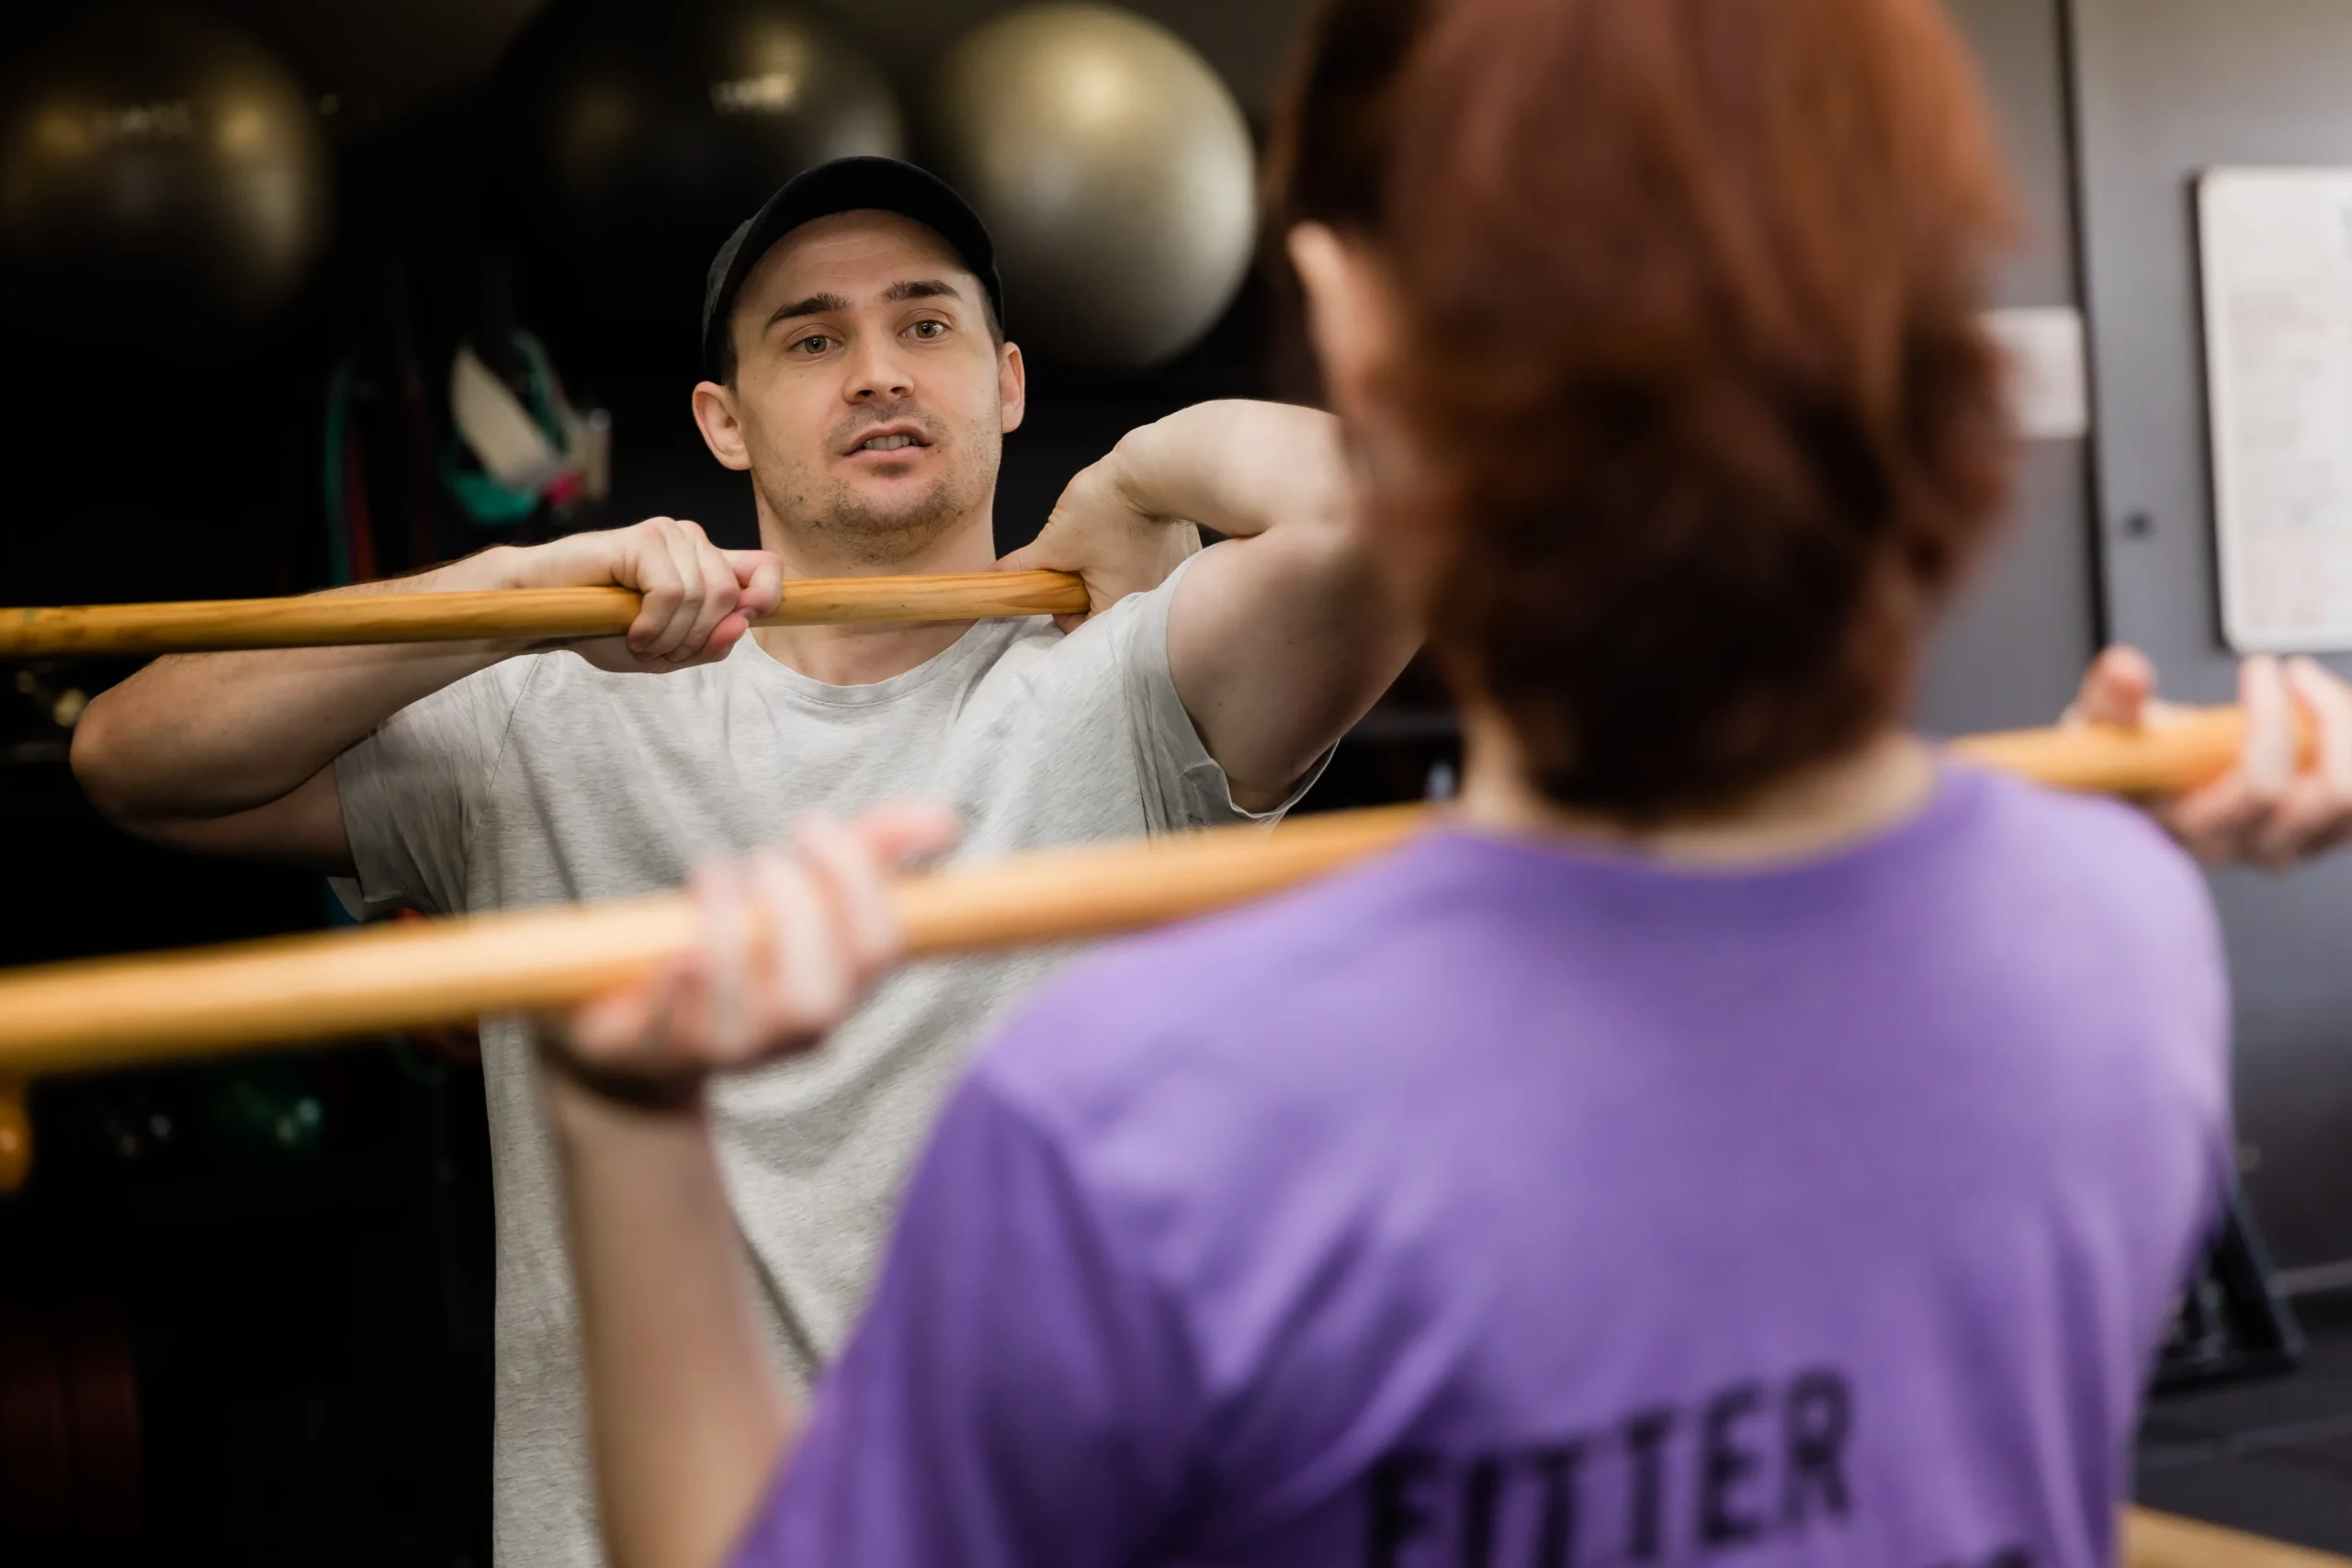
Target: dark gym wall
2164,89
2015,645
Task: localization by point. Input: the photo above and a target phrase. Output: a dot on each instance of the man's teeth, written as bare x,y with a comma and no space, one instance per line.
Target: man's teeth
886,443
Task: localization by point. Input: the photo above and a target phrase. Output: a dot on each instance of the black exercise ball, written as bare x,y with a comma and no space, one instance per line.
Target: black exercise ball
641,134
158,172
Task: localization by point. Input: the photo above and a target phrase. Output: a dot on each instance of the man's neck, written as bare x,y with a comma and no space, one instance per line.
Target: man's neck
1878,785
863,653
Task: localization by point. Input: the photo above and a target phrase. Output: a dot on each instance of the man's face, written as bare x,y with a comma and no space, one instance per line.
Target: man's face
870,401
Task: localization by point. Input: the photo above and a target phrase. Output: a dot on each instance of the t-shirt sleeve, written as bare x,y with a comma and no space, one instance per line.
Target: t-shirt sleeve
1016,1397
1193,791
413,789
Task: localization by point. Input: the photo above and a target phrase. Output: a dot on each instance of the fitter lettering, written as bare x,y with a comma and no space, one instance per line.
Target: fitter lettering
1752,1461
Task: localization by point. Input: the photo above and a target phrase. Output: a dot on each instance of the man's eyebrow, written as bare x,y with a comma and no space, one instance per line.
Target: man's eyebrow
920,289
815,305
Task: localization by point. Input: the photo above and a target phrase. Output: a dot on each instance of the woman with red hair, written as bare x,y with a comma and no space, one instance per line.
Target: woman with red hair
1741,1130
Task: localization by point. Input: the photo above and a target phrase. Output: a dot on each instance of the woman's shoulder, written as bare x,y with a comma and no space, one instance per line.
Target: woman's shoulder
2095,883
2098,844
1203,996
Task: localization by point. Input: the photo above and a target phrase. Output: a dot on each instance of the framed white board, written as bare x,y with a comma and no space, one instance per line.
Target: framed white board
2276,246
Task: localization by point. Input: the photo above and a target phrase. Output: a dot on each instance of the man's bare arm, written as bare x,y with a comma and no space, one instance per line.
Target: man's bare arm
1281,635
229,753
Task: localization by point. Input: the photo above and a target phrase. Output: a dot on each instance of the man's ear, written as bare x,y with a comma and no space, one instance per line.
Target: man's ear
1350,314
1012,385
722,428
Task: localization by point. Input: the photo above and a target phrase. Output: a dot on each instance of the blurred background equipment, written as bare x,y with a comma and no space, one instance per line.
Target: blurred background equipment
70,1450
641,137
1113,169
158,170
514,452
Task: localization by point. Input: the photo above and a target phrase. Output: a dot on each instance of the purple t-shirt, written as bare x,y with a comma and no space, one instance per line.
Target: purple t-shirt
1503,1206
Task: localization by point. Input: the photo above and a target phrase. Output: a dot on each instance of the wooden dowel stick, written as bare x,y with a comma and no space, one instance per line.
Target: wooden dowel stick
2192,746
2164,1540
325,620
105,1011
99,1011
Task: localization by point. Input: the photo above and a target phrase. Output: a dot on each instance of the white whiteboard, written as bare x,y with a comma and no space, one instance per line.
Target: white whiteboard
2277,252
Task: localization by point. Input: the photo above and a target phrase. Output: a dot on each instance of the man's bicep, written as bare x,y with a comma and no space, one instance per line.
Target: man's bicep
1277,644
302,828
1016,1396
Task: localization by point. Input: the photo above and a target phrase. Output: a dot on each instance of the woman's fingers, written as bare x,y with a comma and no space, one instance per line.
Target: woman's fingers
626,1030
786,944
2116,689
2212,822
725,1030
908,831
616,1024
2301,823
831,932
850,870
2288,795
2267,757
2326,706
2314,813
2229,818
805,987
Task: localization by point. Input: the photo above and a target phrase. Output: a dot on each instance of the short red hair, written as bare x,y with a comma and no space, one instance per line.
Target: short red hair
1693,291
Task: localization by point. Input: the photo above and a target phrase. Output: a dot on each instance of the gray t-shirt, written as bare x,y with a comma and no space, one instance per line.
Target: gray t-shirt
544,779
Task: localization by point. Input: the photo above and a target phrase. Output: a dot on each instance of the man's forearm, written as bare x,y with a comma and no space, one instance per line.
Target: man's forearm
207,735
1236,466
688,1418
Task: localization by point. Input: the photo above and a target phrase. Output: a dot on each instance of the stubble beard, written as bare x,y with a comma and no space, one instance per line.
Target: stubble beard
847,525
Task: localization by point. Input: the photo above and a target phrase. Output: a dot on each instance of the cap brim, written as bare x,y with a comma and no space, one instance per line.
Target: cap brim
850,185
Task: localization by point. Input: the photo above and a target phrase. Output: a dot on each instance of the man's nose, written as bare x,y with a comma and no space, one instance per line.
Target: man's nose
879,374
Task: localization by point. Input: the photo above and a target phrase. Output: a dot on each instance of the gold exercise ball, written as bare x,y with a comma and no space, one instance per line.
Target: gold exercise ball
1113,168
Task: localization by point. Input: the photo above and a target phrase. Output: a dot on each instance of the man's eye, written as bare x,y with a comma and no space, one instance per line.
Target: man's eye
931,328
814,344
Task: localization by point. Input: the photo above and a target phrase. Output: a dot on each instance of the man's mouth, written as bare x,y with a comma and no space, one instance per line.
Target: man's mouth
890,438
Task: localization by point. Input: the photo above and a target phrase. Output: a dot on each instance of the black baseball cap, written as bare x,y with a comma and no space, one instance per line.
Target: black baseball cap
844,185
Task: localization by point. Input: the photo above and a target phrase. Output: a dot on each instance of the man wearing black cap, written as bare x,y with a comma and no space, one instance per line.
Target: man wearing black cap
857,369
